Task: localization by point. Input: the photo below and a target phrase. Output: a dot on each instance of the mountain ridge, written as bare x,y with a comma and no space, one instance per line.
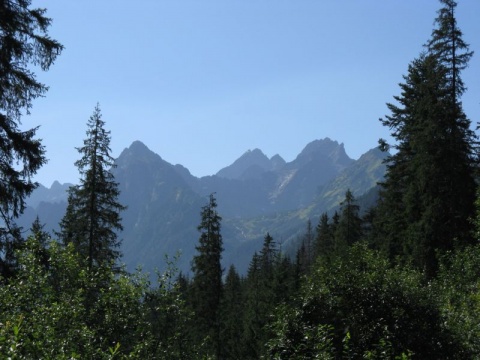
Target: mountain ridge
255,195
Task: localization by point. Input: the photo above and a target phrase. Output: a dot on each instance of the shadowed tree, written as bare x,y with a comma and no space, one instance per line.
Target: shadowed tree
305,252
427,198
232,309
349,228
24,45
207,284
93,217
324,240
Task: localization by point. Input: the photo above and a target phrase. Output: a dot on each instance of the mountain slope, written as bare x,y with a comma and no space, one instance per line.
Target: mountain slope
162,208
301,180
255,195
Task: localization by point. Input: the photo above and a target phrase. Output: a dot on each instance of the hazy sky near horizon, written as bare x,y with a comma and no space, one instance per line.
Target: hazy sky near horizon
202,81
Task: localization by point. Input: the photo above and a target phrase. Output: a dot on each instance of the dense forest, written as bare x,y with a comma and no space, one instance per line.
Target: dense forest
397,281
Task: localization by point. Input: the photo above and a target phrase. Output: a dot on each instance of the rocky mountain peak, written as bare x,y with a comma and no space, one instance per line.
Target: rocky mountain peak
255,159
137,151
326,149
277,162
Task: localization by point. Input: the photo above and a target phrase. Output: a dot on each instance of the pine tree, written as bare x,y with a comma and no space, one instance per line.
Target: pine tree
304,256
429,189
232,308
286,282
207,278
268,256
324,241
335,221
447,45
37,231
453,53
368,225
254,315
93,217
24,44
349,229
270,281
41,241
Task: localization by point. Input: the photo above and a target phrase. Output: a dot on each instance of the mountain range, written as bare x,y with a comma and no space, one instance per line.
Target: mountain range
255,195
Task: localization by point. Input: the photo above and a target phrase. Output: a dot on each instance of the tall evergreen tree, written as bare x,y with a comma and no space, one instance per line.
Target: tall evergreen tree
270,281
429,189
207,278
268,256
305,253
453,53
447,45
38,232
42,239
324,241
259,298
349,229
252,313
93,217
24,43
232,308
368,225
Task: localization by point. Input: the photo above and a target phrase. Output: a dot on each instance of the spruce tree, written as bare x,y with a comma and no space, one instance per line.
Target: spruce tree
447,45
256,295
232,308
24,44
453,53
270,281
42,239
349,229
93,217
207,284
427,198
268,256
324,242
305,253
38,232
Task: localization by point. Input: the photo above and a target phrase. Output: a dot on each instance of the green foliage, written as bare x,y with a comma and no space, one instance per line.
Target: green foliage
68,301
170,319
271,280
458,288
232,308
447,45
295,339
378,308
46,306
429,189
349,228
334,237
305,253
324,240
45,313
25,44
207,279
93,217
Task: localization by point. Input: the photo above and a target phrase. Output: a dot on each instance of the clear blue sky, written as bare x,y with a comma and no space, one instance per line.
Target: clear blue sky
202,81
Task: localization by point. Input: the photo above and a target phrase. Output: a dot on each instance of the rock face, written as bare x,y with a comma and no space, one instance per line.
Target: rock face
255,195
251,165
57,193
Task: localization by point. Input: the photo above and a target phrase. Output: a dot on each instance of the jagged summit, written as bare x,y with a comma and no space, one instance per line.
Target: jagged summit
251,164
375,153
163,200
277,162
325,148
137,151
56,186
138,146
